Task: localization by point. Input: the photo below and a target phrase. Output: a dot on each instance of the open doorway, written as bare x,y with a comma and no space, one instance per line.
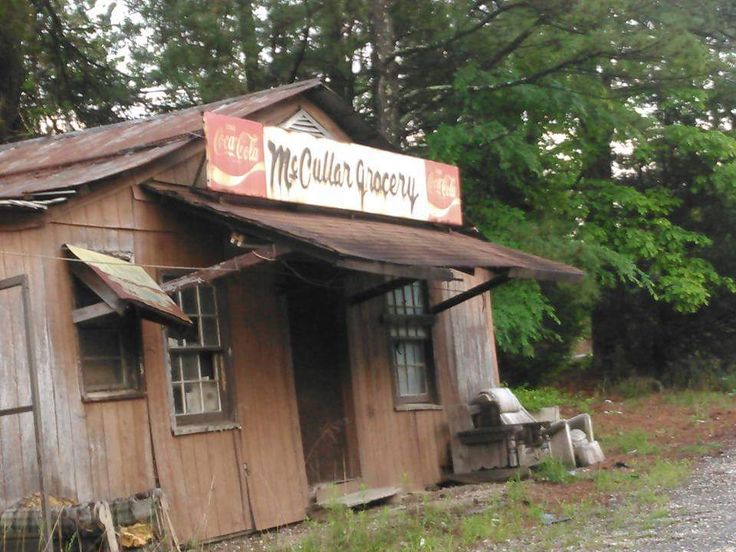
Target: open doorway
322,376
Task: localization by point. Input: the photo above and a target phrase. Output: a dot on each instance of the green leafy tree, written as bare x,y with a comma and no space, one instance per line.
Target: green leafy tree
536,137
597,132
56,70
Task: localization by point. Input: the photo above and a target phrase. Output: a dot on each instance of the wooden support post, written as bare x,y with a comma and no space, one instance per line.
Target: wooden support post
501,278
97,310
97,284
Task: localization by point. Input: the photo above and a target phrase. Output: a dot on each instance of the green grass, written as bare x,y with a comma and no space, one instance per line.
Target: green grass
423,527
701,449
537,398
636,387
628,498
553,471
446,526
629,442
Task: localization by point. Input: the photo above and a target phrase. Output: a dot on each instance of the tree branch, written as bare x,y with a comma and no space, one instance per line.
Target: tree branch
490,16
513,45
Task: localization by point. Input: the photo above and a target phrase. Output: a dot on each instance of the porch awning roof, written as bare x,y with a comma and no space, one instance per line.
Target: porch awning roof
121,284
348,237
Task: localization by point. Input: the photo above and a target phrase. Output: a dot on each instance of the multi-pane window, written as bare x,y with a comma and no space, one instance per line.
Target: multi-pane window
197,358
108,350
410,333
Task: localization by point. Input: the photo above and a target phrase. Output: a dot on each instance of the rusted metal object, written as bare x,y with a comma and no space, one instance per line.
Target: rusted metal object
69,160
336,235
39,179
131,285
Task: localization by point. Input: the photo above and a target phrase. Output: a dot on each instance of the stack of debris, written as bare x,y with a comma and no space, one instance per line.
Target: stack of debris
140,522
498,416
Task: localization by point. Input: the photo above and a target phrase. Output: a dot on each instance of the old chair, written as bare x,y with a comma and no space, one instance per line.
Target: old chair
498,415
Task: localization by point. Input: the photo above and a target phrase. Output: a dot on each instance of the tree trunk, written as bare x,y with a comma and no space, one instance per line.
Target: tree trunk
12,70
385,70
249,39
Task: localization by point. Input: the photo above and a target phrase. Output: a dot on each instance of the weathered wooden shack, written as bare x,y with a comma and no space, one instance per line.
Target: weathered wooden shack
326,345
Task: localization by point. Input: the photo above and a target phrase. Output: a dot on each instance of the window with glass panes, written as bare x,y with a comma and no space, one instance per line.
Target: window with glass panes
196,357
108,350
410,332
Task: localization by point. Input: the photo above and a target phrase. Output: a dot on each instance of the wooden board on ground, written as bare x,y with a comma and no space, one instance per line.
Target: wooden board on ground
362,498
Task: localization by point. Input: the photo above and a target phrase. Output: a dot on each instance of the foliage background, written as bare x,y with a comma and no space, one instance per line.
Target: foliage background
596,132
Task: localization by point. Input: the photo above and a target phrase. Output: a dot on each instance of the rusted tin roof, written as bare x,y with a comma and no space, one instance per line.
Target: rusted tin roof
353,237
29,184
132,285
68,160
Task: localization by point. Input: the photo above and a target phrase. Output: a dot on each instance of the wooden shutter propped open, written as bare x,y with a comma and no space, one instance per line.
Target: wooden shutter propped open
122,285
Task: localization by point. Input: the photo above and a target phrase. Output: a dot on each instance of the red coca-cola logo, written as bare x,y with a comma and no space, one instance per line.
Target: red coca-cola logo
239,147
443,184
443,192
442,189
235,159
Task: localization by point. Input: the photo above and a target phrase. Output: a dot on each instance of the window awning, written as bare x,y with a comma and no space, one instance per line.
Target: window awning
353,241
121,284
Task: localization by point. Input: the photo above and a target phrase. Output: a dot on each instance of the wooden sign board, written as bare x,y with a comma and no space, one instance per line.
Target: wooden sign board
246,158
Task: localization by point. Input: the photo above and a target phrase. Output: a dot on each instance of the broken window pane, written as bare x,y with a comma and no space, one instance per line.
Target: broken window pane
189,301
207,300
210,333
178,399
190,367
199,353
412,341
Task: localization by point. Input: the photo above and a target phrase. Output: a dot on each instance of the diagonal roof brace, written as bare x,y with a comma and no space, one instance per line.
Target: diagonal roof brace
267,253
497,280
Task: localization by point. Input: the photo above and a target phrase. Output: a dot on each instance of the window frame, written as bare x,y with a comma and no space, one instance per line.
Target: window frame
130,324
430,399
226,417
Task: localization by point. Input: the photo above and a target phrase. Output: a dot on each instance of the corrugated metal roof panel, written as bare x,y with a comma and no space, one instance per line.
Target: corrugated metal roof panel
374,240
71,176
132,284
71,159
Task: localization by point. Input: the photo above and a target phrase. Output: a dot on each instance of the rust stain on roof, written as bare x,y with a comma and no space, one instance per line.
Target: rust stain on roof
347,236
131,283
68,160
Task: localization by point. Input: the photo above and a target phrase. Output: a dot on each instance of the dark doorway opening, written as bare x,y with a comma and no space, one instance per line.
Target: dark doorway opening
319,347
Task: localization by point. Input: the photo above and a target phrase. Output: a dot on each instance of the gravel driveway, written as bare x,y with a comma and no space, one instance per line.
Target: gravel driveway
702,514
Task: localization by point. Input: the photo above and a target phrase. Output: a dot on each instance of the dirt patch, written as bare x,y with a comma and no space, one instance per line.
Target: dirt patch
676,426
635,434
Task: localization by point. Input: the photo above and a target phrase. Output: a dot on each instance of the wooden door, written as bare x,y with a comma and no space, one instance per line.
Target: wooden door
321,373
21,462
